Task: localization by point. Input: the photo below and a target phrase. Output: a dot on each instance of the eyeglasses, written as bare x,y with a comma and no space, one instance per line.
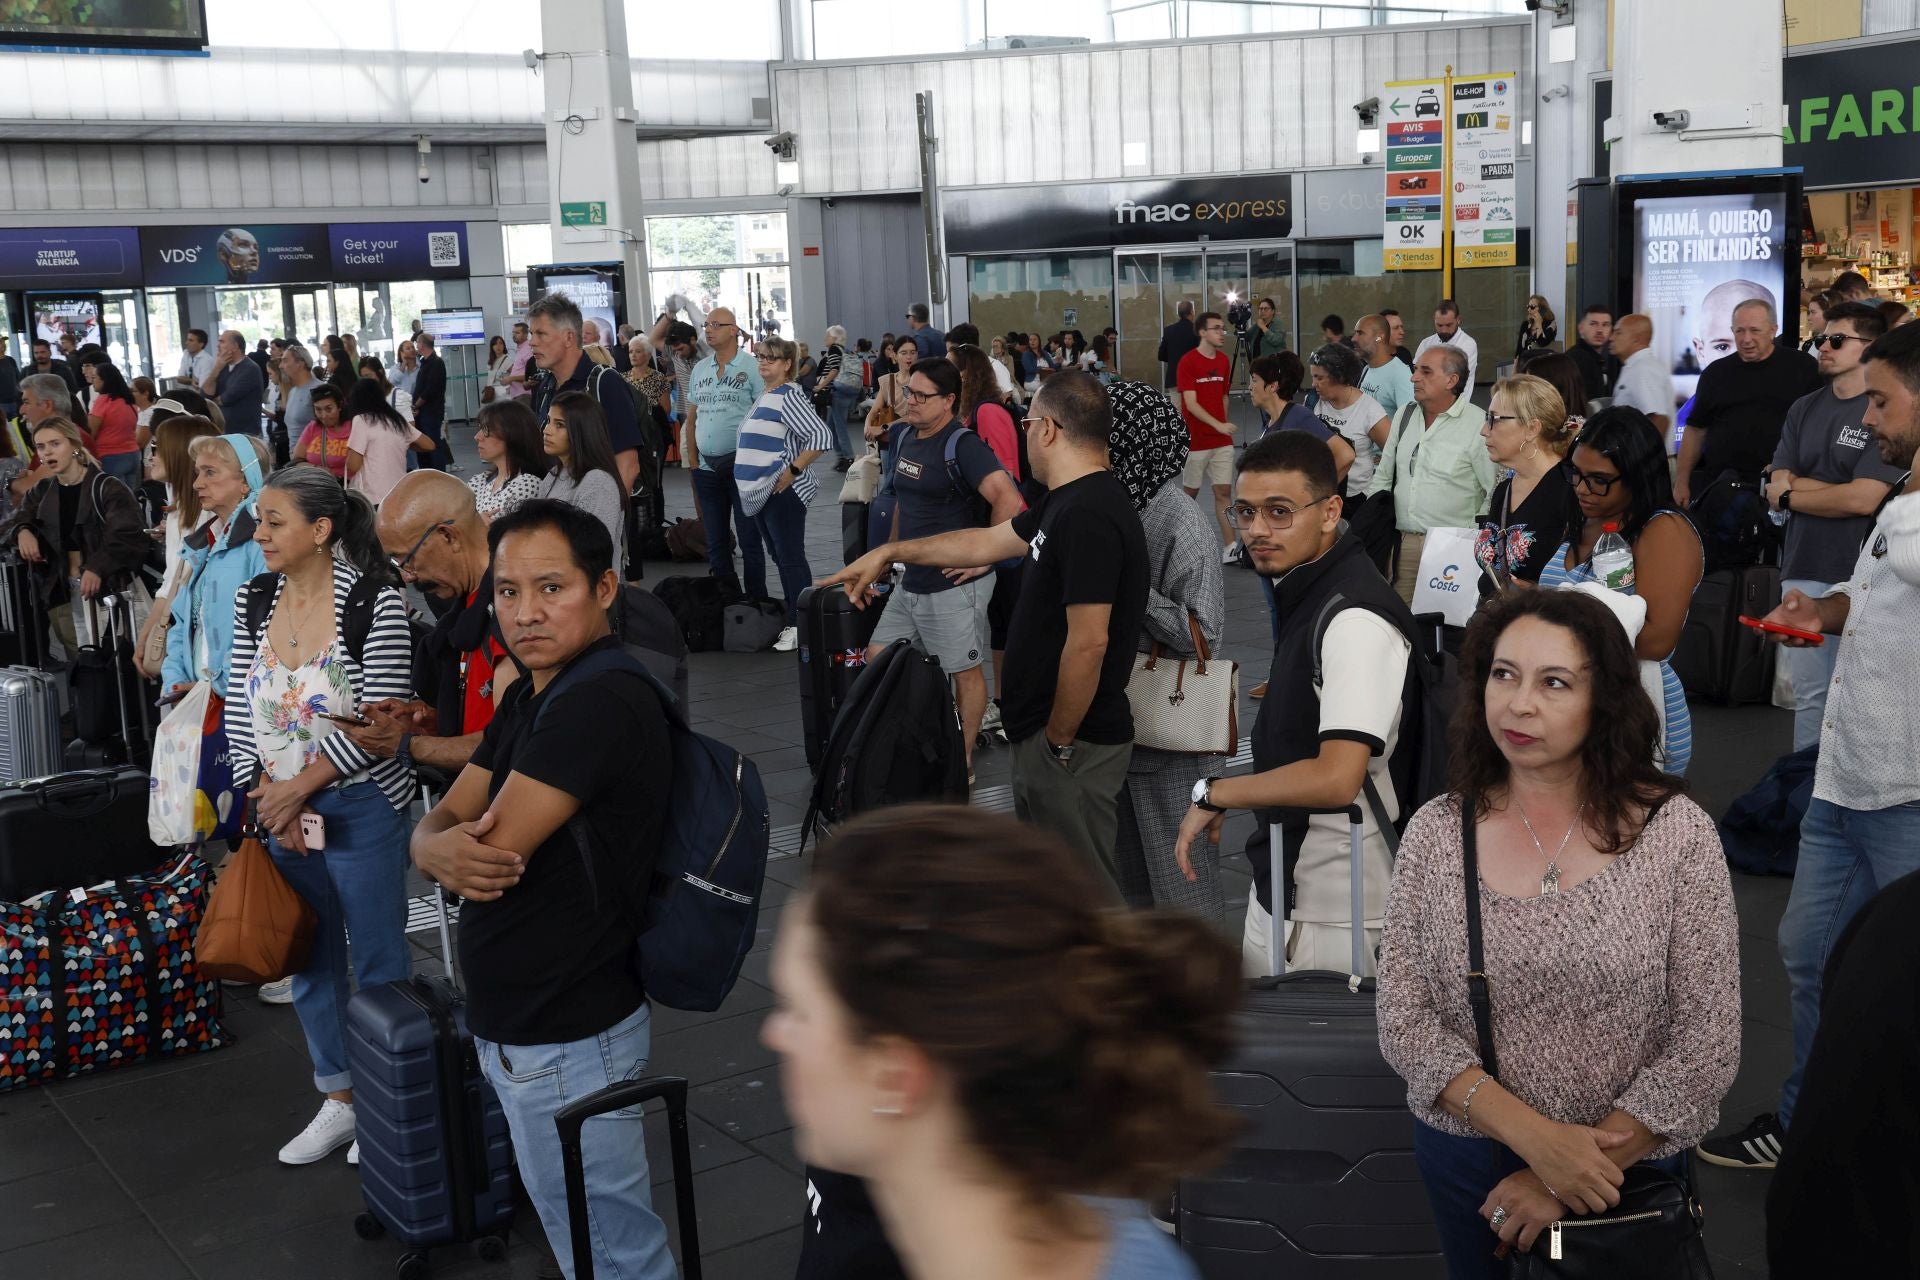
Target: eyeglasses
1503,417
404,565
921,397
1241,514
1835,339
718,324
1598,485
1038,417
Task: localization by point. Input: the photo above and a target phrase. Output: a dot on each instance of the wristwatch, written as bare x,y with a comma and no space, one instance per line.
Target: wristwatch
1786,499
1062,754
403,754
797,473
1203,796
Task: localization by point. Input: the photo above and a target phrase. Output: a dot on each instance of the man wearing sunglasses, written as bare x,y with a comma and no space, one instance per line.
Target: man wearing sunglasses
1828,479
1645,382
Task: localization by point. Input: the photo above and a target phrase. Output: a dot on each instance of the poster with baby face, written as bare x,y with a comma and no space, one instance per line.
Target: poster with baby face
1698,258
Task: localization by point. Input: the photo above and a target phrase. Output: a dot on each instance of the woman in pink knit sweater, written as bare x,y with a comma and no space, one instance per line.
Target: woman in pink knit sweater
1611,943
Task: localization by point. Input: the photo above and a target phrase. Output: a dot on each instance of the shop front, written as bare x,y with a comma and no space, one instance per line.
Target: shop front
1853,127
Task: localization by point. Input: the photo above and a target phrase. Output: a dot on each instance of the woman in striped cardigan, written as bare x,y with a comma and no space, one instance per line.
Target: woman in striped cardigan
323,632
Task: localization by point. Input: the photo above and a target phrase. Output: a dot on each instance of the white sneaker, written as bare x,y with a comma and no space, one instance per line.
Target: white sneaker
789,640
1231,555
331,1129
990,722
353,1154
280,992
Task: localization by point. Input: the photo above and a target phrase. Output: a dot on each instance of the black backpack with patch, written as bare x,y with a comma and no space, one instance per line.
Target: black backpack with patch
896,739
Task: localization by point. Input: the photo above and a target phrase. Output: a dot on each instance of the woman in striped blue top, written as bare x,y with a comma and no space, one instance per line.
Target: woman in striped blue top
1618,469
778,442
328,635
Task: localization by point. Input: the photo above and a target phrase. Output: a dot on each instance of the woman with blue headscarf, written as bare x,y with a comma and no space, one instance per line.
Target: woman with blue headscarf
1185,592
221,557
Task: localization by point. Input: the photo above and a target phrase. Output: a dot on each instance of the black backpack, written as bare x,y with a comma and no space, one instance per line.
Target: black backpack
1731,517
1420,771
699,609
356,617
896,739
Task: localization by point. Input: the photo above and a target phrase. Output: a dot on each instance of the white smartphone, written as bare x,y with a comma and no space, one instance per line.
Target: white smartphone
313,830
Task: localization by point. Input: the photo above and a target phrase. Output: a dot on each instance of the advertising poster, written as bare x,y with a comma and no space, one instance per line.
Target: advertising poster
1413,120
1242,207
387,251
592,292
235,255
1486,202
76,258
1696,258
53,315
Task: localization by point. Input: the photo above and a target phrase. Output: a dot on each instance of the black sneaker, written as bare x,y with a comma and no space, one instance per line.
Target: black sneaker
1757,1146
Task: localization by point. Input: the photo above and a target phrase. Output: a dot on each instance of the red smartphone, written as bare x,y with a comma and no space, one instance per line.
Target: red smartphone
1780,628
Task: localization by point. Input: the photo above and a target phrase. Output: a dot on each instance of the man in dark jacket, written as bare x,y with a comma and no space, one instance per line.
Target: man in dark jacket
238,384
1176,340
430,401
1592,352
1330,723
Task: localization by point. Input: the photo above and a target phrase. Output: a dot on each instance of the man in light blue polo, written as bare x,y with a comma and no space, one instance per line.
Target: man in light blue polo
721,391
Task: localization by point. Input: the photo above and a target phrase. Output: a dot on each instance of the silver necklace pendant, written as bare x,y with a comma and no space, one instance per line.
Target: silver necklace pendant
1550,882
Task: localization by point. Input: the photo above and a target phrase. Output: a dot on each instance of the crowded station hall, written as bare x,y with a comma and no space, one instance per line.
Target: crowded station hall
1124,640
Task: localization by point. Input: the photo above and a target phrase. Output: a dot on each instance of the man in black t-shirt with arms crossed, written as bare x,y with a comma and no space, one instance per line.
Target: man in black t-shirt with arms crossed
1070,645
554,995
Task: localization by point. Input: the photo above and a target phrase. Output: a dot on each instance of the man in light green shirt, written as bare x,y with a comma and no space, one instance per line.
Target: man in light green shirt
1436,463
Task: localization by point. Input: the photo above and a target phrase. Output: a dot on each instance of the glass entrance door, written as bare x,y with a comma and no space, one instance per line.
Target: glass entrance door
1150,285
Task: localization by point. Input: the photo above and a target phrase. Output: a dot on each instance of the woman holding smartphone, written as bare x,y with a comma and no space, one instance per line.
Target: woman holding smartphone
334,817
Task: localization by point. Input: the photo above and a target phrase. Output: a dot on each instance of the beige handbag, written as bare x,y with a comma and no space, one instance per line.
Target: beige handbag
863,477
150,654
1188,705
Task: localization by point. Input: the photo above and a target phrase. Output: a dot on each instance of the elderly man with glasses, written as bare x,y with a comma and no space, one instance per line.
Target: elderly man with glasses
1435,462
721,391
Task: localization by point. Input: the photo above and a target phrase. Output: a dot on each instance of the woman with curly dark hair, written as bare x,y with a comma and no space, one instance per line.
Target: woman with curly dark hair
1610,946
1010,1064
1618,470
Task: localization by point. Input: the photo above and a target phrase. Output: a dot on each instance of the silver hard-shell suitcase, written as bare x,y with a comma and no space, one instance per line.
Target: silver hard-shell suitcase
29,724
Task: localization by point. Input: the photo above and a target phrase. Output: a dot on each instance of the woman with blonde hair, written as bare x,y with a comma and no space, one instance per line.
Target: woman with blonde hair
1528,434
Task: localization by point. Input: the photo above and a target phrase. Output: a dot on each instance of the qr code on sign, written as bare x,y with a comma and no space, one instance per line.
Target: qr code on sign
443,248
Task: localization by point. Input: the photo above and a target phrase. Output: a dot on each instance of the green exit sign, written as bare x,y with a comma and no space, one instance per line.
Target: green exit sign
583,213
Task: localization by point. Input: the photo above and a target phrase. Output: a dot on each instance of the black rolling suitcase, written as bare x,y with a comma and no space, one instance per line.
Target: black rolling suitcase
1717,657
1321,1181
572,1118
436,1160
111,721
23,626
833,651
74,829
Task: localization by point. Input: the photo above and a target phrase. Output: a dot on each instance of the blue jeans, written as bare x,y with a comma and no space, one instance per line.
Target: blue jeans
1846,856
124,467
783,524
534,1082
1459,1173
844,398
1811,671
356,885
432,425
718,500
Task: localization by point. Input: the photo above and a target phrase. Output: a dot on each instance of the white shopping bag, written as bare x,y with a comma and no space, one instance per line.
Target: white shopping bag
174,785
1449,582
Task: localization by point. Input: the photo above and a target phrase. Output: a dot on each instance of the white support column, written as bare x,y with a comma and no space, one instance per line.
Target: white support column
592,150
1697,86
1562,146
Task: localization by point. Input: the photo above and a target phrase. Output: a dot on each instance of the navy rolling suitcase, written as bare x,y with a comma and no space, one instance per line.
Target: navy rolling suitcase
1321,1181
833,651
436,1161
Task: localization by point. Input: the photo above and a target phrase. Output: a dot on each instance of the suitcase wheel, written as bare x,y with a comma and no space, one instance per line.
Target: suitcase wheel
368,1227
493,1248
412,1266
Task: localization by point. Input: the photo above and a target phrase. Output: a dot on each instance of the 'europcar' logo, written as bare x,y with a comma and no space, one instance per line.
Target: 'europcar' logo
1445,582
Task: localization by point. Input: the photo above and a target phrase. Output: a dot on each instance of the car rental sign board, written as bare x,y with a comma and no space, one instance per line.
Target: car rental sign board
1485,200
1413,117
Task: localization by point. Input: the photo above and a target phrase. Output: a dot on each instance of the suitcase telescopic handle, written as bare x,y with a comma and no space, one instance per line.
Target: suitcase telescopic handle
1356,892
572,1118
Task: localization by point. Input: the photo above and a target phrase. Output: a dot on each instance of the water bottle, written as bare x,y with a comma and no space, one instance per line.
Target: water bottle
1613,559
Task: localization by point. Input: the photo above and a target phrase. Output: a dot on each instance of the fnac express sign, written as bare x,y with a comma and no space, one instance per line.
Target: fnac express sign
1127,212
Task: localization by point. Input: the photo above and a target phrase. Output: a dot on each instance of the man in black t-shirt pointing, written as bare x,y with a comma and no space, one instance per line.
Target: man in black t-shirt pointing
554,995
1071,642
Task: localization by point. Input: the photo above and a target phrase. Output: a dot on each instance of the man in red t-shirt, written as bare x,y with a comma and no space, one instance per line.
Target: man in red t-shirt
1202,382
432,530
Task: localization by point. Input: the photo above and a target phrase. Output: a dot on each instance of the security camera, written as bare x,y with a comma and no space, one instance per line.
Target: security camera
781,144
422,171
1673,121
1368,111
531,58
1545,6
422,144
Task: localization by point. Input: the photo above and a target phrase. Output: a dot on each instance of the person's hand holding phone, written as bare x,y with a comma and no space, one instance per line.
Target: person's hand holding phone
1797,611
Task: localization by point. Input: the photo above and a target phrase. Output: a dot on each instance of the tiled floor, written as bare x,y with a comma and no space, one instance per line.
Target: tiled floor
167,1169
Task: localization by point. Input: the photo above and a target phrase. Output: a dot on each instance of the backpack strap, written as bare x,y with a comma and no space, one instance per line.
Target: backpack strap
1375,802
259,600
356,616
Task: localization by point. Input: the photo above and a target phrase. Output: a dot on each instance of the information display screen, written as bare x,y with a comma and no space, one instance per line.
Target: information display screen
456,326
1693,250
56,314
106,24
